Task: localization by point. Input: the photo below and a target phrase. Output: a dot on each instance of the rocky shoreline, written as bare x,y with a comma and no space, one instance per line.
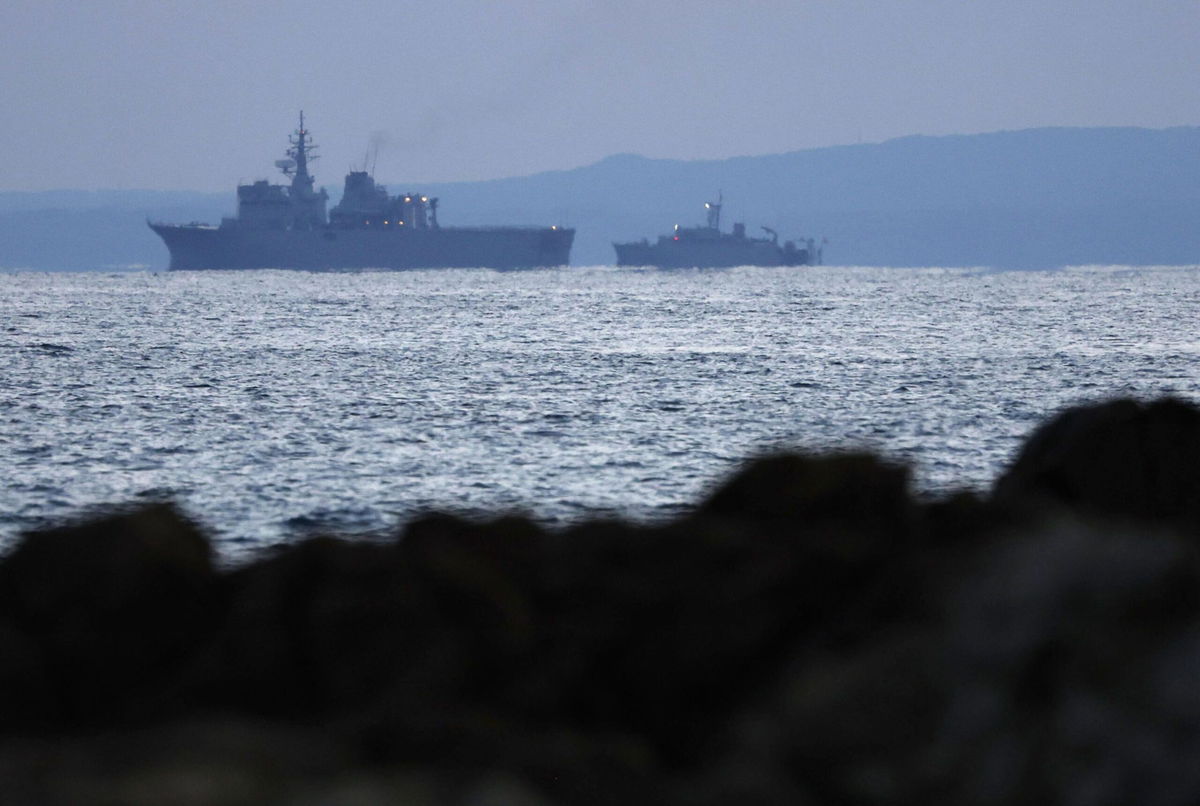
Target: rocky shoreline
811,633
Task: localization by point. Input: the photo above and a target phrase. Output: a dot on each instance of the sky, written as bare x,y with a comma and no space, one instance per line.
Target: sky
201,95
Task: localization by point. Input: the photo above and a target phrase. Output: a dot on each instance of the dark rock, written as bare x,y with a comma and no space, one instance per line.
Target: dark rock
1053,674
114,606
809,634
26,697
319,626
1122,459
785,493
329,625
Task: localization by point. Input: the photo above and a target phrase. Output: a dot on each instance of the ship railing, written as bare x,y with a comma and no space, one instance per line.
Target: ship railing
505,227
189,225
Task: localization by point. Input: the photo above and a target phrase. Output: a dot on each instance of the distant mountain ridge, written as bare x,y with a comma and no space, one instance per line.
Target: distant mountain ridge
1032,198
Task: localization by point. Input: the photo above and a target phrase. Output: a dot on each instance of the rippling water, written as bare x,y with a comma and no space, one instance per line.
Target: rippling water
272,404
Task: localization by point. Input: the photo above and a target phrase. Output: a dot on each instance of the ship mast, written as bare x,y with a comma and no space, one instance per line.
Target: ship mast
714,212
301,150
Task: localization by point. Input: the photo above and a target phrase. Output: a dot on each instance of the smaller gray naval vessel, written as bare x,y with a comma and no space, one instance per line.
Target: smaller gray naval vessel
286,227
708,248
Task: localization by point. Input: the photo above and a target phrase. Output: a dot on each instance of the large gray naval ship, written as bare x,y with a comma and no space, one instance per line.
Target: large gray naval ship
708,248
286,227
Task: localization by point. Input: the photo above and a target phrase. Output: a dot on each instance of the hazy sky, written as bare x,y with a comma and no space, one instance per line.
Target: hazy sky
200,95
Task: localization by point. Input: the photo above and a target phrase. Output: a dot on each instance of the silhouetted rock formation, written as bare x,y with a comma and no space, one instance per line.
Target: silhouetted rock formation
109,611
810,633
1121,459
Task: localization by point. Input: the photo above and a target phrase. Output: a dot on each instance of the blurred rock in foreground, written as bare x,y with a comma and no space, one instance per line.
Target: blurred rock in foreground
810,633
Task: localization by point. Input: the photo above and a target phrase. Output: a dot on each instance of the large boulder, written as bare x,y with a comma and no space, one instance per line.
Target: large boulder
1123,459
110,610
1059,670
331,625
788,493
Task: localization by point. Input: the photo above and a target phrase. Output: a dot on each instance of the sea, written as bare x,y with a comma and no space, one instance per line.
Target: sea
276,405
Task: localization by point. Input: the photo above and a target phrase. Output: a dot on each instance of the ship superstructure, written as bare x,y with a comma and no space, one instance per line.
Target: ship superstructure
286,226
707,247
295,206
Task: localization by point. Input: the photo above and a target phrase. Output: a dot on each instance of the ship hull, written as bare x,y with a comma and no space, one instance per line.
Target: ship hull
710,254
197,247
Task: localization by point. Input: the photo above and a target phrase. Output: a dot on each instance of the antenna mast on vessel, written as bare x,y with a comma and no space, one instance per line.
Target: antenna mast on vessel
301,150
714,211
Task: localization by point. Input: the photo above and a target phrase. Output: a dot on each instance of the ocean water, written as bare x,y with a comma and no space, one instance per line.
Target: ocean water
277,404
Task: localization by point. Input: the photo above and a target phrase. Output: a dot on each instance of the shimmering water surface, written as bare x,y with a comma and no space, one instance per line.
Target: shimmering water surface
272,404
